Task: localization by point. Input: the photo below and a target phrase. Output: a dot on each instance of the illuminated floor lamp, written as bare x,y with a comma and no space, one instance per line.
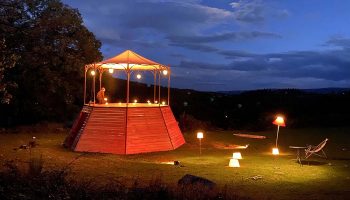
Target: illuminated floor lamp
200,137
279,121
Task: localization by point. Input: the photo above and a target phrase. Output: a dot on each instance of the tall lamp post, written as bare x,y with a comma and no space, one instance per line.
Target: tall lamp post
279,121
200,137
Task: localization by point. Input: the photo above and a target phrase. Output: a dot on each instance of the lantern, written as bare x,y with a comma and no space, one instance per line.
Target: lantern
275,151
237,155
234,163
200,137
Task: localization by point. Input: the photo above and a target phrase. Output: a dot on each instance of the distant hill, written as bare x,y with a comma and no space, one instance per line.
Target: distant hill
316,91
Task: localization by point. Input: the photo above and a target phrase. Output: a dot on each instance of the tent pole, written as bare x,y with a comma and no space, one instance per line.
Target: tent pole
100,77
159,88
169,87
154,86
85,85
128,86
94,89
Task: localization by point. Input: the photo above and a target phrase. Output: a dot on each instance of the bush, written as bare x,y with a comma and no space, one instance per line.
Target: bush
54,185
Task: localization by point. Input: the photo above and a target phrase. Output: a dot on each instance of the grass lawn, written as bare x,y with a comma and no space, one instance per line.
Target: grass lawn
282,177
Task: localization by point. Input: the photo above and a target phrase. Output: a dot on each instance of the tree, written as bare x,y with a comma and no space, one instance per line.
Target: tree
9,18
52,46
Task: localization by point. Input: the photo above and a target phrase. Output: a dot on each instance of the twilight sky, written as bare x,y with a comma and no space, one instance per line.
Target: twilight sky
216,45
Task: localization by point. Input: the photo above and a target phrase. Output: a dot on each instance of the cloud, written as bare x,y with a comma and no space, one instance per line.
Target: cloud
200,42
256,11
249,11
329,65
233,36
197,47
338,42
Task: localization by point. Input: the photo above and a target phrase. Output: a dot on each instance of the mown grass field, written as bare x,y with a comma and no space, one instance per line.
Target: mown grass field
282,177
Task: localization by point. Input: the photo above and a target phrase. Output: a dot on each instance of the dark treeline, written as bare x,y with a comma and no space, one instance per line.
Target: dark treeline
255,110
250,110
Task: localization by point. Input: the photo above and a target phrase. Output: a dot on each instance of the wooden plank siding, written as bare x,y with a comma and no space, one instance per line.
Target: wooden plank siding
129,130
146,131
175,134
104,132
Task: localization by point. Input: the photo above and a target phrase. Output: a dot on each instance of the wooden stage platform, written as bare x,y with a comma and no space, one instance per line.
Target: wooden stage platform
121,129
123,105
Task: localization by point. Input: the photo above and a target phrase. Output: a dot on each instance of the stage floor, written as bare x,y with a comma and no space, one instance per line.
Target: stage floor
123,105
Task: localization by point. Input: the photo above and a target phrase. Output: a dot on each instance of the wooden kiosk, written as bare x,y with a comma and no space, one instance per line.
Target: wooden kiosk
126,127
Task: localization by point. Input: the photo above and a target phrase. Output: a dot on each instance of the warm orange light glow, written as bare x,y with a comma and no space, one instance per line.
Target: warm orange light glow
155,102
148,101
111,71
165,72
200,135
234,163
138,76
163,102
168,163
120,103
275,151
92,73
237,155
135,101
105,98
106,103
279,121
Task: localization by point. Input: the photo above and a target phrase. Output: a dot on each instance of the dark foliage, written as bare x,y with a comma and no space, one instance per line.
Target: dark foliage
15,184
49,45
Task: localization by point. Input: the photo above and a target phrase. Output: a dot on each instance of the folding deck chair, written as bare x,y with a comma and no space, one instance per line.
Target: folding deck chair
316,150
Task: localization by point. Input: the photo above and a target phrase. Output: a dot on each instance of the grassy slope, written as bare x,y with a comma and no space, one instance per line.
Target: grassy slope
282,178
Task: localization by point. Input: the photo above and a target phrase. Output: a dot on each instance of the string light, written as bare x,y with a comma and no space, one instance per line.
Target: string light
138,76
111,71
93,73
165,72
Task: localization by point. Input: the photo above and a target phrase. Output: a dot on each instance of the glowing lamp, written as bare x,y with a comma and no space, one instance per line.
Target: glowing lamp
106,103
92,73
163,103
234,163
279,121
237,155
165,72
111,71
138,76
105,99
120,103
148,101
135,101
200,135
275,151
155,102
